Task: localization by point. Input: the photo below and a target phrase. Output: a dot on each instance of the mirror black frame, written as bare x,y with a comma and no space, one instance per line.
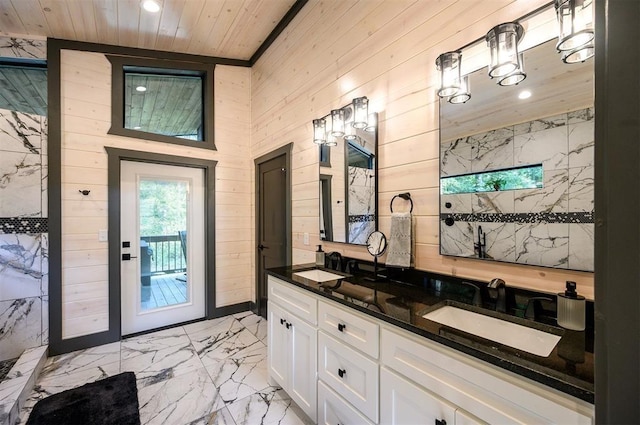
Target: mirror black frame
328,197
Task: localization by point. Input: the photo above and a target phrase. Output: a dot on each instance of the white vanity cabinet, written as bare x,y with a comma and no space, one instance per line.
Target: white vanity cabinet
292,348
357,369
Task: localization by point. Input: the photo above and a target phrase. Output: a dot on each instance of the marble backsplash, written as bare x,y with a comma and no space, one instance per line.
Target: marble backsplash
549,226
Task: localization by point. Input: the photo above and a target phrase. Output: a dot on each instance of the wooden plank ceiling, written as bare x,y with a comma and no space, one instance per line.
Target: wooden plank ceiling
223,28
233,29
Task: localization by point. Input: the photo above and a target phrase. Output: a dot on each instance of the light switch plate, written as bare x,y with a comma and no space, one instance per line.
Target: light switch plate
306,238
103,235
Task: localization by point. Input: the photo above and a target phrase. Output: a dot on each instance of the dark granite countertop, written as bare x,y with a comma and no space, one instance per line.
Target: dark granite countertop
402,302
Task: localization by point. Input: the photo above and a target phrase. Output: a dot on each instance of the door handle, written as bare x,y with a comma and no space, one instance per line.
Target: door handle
127,257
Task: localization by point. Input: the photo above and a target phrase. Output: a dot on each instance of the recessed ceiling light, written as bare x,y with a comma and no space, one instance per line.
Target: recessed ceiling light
525,94
151,6
141,88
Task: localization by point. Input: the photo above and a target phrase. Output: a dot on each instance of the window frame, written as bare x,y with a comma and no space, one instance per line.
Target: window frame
118,65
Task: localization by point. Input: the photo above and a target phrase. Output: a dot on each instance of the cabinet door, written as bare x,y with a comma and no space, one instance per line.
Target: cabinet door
278,346
333,409
302,382
403,402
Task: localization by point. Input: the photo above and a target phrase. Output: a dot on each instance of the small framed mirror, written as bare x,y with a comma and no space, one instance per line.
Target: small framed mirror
349,181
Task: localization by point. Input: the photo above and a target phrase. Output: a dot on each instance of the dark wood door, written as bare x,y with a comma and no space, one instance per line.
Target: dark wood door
273,210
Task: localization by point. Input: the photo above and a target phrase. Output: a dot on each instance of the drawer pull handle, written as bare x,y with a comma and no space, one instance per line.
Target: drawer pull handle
341,327
441,422
342,372
282,321
288,325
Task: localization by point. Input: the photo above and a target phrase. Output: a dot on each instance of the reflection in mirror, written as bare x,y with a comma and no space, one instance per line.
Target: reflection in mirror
516,171
348,183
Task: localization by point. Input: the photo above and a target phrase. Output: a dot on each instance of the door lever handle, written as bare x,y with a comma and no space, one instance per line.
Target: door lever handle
127,257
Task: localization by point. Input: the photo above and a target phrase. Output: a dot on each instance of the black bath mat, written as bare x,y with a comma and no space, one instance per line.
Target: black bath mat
109,401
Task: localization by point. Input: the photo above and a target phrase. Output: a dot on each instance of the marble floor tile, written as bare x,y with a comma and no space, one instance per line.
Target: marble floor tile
156,340
212,372
82,360
223,341
219,417
180,400
257,325
241,375
155,365
267,408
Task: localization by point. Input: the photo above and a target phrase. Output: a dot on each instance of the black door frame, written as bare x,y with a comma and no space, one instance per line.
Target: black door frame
286,151
116,156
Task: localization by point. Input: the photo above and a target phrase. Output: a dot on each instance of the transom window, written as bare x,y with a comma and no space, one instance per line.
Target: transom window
160,100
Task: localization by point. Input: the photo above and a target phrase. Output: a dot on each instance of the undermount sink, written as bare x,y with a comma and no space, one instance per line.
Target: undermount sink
318,275
523,338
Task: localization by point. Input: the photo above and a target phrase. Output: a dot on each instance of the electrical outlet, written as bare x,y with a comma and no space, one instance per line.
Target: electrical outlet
103,235
306,238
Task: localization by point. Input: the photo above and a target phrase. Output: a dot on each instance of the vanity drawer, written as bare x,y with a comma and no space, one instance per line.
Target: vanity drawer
294,300
351,328
333,409
349,373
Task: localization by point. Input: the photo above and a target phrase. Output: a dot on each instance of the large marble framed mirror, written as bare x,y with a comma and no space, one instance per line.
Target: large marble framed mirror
348,182
517,172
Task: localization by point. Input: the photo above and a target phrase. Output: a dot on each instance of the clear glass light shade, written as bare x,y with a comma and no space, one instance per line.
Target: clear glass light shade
464,94
331,141
372,122
503,45
448,64
337,122
360,112
516,76
575,19
580,54
349,131
319,131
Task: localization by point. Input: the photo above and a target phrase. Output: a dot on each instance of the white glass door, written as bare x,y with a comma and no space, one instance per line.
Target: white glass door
162,232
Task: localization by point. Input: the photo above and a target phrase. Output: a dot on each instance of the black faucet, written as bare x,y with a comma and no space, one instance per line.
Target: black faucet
481,245
498,294
334,261
534,307
477,299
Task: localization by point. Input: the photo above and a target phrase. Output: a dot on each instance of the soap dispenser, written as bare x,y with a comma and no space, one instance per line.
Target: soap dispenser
571,308
320,257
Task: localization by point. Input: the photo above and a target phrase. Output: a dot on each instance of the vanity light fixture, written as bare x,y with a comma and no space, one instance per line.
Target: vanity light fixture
360,112
372,122
463,94
503,45
349,131
575,40
516,76
319,131
337,122
331,141
448,64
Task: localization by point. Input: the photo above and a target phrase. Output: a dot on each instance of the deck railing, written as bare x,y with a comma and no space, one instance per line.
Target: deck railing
164,254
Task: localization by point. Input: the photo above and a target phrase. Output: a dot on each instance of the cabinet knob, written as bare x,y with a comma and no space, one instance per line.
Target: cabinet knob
341,327
282,321
288,325
342,372
441,422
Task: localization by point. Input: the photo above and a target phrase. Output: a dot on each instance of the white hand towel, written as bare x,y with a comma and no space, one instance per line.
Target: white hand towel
399,254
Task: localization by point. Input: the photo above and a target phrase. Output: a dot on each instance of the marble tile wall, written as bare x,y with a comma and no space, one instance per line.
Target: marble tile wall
24,298
549,226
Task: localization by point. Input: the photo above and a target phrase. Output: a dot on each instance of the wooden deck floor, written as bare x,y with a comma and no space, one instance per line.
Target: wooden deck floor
164,290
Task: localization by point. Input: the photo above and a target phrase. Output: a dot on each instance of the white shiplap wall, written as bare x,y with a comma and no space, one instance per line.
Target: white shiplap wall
86,114
334,51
